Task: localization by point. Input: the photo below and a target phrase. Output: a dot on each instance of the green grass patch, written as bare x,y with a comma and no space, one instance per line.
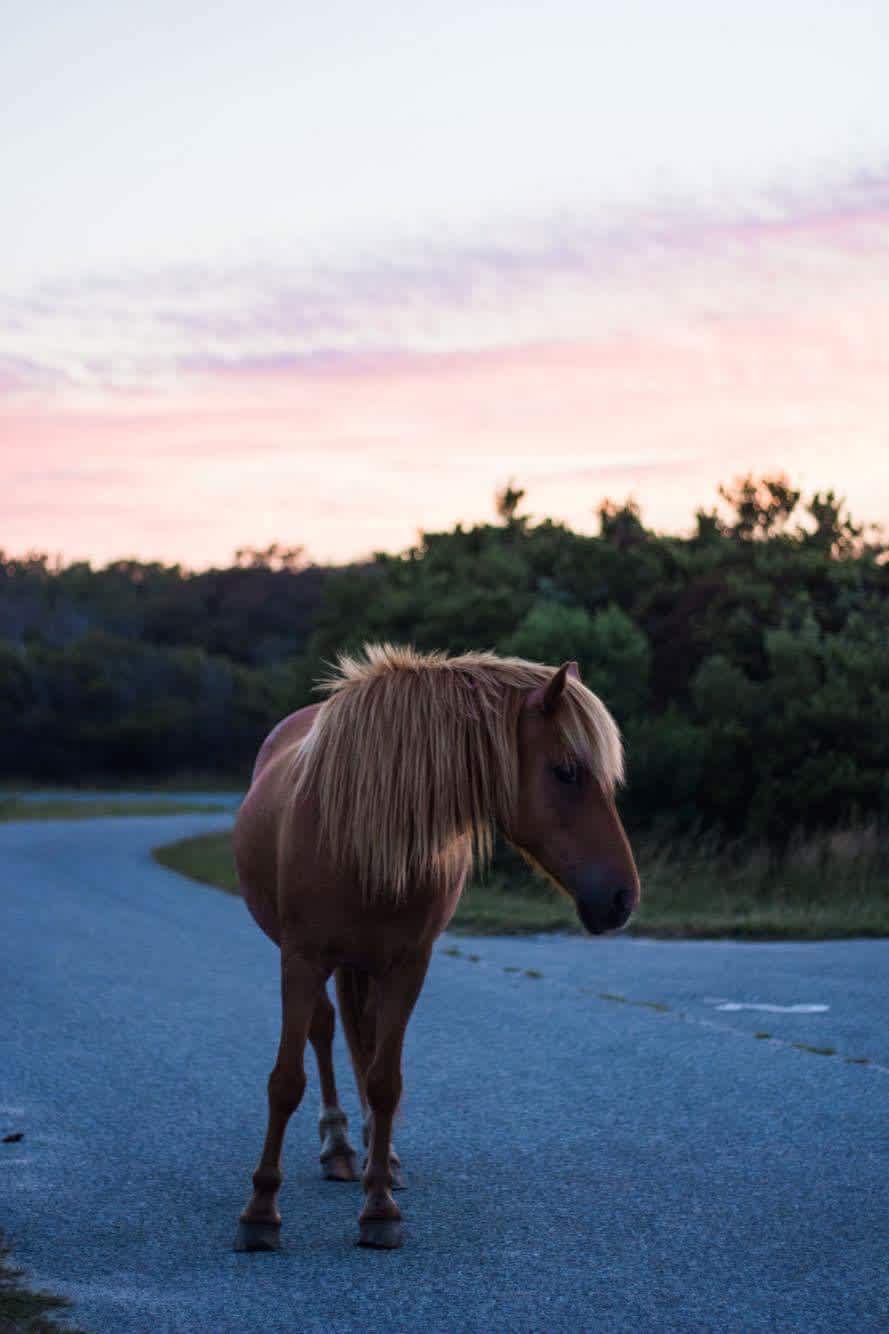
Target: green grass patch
15,808
492,910
207,857
94,785
22,1309
836,894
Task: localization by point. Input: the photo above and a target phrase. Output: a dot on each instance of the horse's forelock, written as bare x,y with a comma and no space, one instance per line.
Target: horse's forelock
590,734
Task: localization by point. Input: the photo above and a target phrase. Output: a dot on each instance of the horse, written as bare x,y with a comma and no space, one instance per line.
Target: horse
364,816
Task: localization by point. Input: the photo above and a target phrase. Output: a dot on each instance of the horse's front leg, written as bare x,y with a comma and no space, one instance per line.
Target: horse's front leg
397,992
301,984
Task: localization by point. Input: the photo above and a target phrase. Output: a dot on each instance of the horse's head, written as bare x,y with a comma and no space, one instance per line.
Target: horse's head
565,820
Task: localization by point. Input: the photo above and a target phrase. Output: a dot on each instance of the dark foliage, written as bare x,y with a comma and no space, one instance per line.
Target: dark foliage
747,664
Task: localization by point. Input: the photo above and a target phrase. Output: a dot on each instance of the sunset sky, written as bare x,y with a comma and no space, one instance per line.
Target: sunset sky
327,275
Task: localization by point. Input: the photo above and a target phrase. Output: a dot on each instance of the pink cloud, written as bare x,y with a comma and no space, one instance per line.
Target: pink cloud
345,409
361,457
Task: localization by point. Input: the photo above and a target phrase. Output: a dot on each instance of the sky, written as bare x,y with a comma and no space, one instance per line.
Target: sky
331,276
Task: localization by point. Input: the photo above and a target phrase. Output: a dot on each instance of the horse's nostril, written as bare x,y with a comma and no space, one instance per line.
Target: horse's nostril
604,909
620,907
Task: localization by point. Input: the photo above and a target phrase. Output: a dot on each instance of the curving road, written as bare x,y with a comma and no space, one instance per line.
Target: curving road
595,1135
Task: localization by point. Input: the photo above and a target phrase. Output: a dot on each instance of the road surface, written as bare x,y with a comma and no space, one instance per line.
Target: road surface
596,1134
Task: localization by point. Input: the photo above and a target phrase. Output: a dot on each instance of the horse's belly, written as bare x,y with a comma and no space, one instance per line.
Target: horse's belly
255,847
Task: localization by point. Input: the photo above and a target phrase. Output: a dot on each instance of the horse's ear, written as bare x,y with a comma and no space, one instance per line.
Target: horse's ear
547,697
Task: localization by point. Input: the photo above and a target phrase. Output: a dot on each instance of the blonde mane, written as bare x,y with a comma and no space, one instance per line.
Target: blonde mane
413,758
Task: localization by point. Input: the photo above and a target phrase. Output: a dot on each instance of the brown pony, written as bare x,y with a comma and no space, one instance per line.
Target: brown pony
353,845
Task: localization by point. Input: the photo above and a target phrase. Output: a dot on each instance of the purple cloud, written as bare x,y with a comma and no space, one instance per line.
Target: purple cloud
556,280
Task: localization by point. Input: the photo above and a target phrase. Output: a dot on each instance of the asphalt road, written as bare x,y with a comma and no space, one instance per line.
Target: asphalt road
593,1141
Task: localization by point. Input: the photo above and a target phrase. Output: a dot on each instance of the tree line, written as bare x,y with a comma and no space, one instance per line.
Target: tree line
747,663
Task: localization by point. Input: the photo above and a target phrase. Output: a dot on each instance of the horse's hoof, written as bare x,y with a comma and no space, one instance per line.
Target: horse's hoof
385,1234
258,1236
341,1167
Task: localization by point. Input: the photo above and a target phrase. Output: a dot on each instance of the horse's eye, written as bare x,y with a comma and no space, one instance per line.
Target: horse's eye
567,773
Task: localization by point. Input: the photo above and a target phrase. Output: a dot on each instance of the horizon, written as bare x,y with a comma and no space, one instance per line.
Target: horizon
271,281
302,559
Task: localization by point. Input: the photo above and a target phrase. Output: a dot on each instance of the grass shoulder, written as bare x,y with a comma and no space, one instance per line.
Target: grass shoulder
683,898
24,1310
61,808
99,786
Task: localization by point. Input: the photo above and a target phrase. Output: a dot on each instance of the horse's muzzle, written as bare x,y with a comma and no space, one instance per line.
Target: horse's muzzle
604,903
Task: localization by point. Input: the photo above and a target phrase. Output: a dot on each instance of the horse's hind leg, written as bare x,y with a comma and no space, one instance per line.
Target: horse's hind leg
339,1162
357,1003
301,984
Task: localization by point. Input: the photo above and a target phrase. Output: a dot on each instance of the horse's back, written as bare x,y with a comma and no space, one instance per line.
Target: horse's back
256,829
283,736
